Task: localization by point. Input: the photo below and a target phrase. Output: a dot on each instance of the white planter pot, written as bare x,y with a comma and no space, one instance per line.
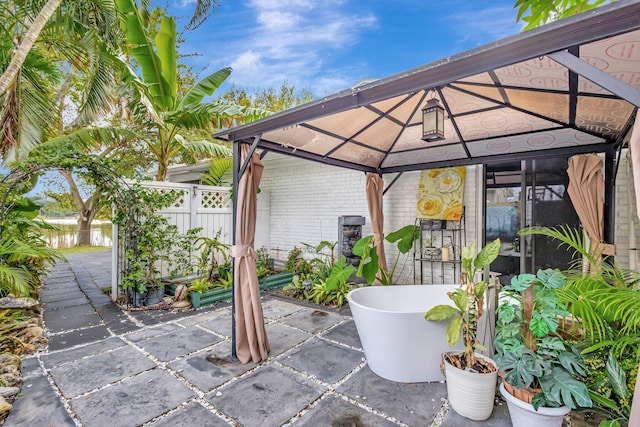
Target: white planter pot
524,415
471,394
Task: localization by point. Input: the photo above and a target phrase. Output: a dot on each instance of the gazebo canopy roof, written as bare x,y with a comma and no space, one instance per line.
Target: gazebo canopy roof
572,86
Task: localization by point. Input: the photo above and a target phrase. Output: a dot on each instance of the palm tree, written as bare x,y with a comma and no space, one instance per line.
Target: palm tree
11,72
78,40
172,114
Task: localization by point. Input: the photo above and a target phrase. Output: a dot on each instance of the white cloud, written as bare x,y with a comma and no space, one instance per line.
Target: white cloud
294,41
185,3
484,25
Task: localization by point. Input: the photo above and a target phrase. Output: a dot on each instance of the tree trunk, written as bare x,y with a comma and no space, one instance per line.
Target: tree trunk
87,209
20,53
84,230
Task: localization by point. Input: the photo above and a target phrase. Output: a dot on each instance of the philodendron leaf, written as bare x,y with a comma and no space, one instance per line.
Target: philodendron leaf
361,246
572,363
522,281
541,324
406,236
468,252
370,269
441,312
453,331
609,423
488,254
552,278
460,298
562,389
618,377
479,289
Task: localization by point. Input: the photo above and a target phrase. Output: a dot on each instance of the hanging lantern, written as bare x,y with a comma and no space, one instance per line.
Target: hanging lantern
432,121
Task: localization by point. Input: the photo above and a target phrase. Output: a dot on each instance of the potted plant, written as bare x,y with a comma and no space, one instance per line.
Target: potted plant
540,368
471,377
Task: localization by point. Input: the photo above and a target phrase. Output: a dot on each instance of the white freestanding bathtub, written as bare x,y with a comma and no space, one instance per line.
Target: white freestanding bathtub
398,343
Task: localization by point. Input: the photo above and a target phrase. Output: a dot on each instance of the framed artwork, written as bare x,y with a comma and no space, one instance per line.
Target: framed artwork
440,193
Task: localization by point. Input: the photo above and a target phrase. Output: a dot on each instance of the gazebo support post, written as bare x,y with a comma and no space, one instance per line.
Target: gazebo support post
609,195
236,180
238,171
391,183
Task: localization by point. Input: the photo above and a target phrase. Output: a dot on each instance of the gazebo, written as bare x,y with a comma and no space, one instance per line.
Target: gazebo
569,87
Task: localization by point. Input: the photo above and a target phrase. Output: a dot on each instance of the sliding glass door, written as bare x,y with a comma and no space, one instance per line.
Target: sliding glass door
524,194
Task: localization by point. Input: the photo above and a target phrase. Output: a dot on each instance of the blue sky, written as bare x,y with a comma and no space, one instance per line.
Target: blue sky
329,45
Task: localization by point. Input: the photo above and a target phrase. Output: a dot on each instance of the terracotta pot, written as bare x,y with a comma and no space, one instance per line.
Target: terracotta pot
524,394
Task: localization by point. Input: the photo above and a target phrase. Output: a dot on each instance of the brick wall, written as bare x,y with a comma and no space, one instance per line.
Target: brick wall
307,198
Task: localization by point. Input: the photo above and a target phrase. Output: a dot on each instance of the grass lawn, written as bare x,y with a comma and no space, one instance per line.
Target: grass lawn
78,249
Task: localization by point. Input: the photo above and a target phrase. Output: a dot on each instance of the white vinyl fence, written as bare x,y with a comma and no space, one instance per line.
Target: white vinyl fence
196,206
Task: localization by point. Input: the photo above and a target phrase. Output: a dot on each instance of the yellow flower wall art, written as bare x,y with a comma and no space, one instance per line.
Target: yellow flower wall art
440,194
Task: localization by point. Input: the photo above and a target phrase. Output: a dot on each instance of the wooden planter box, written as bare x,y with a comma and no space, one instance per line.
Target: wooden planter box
219,295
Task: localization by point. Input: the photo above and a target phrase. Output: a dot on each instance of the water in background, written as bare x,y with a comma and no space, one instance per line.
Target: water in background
66,235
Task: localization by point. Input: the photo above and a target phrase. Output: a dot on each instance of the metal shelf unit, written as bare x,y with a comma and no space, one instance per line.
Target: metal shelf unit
434,235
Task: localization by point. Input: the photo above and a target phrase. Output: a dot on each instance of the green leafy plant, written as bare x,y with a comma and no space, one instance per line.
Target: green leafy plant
210,250
530,351
24,255
603,301
182,251
296,263
264,262
149,236
201,285
468,302
334,290
299,287
226,279
370,268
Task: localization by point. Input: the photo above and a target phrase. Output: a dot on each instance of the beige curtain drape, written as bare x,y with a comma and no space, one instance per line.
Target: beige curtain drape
634,145
586,190
374,187
252,343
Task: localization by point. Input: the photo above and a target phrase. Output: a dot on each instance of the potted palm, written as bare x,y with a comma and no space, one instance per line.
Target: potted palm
471,377
541,369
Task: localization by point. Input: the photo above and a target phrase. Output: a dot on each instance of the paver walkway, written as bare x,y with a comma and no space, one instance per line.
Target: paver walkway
106,367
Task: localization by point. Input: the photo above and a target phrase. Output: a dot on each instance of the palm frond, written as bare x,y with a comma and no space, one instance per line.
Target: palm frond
98,93
88,138
218,172
144,53
141,95
166,45
207,148
621,305
251,114
576,295
204,9
194,116
16,281
204,87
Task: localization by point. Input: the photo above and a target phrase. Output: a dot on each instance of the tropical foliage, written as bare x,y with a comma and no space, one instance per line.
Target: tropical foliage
321,279
170,113
605,299
370,268
529,348
24,255
468,305
540,12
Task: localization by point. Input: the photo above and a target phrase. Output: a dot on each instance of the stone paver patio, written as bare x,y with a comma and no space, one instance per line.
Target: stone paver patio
106,367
